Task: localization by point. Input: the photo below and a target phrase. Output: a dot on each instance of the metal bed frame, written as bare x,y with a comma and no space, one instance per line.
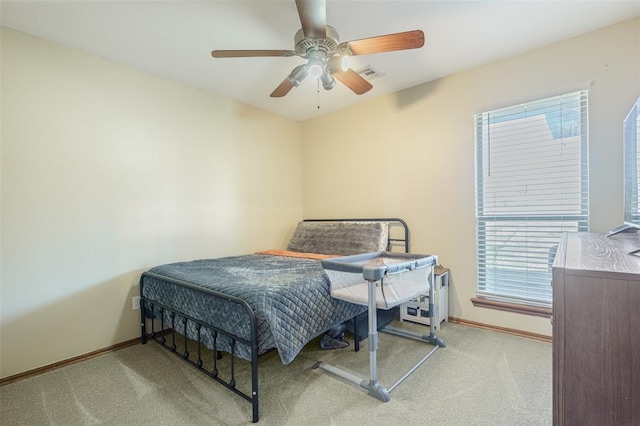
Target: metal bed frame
150,309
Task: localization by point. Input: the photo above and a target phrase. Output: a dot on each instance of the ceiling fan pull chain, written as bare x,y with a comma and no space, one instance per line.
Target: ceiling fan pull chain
318,92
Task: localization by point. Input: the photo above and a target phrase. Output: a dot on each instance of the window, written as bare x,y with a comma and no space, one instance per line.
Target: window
531,185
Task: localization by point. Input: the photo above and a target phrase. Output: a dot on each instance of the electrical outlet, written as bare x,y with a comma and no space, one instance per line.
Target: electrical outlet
136,303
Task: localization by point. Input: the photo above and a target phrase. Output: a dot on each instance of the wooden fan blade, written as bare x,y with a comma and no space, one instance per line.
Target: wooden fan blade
284,88
353,81
386,43
313,17
250,53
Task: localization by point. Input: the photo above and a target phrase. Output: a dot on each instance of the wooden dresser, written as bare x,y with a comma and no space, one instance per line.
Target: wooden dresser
596,330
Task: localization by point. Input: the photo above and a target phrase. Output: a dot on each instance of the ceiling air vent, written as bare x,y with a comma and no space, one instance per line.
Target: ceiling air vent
369,73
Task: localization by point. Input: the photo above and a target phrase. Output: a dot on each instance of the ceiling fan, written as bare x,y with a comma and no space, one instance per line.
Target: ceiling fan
328,59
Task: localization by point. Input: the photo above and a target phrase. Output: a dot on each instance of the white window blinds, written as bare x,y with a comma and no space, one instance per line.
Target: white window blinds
531,185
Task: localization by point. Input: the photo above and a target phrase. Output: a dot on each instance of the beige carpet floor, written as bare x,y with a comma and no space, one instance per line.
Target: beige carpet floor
480,378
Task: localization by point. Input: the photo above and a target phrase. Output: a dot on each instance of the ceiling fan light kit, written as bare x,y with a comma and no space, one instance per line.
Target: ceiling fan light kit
327,80
327,58
298,74
338,63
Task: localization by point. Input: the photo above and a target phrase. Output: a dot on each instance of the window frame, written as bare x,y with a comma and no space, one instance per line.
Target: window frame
513,303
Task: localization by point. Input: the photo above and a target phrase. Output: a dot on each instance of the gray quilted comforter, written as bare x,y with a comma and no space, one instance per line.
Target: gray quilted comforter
289,296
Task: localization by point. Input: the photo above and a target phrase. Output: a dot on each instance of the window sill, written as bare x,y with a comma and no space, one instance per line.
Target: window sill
512,307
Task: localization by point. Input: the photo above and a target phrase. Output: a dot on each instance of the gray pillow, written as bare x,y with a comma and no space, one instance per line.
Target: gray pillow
343,238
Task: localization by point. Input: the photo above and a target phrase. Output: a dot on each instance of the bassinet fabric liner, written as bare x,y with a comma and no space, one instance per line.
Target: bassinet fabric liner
289,296
403,276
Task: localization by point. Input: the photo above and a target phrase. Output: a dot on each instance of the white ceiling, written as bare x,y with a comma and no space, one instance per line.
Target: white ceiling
174,39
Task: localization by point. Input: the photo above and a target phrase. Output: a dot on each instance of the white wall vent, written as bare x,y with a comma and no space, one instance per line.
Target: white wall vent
369,73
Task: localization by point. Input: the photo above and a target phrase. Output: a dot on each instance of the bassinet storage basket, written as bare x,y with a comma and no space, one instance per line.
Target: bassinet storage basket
399,277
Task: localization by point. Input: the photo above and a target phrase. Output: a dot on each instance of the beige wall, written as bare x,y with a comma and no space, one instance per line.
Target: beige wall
411,154
107,171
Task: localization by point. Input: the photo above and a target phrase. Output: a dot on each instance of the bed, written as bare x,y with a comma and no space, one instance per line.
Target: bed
252,304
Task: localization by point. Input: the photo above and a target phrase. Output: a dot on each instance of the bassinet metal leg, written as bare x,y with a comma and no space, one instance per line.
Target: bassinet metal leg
431,338
373,387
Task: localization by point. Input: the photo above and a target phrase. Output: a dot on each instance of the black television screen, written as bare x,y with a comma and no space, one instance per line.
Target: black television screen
631,163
